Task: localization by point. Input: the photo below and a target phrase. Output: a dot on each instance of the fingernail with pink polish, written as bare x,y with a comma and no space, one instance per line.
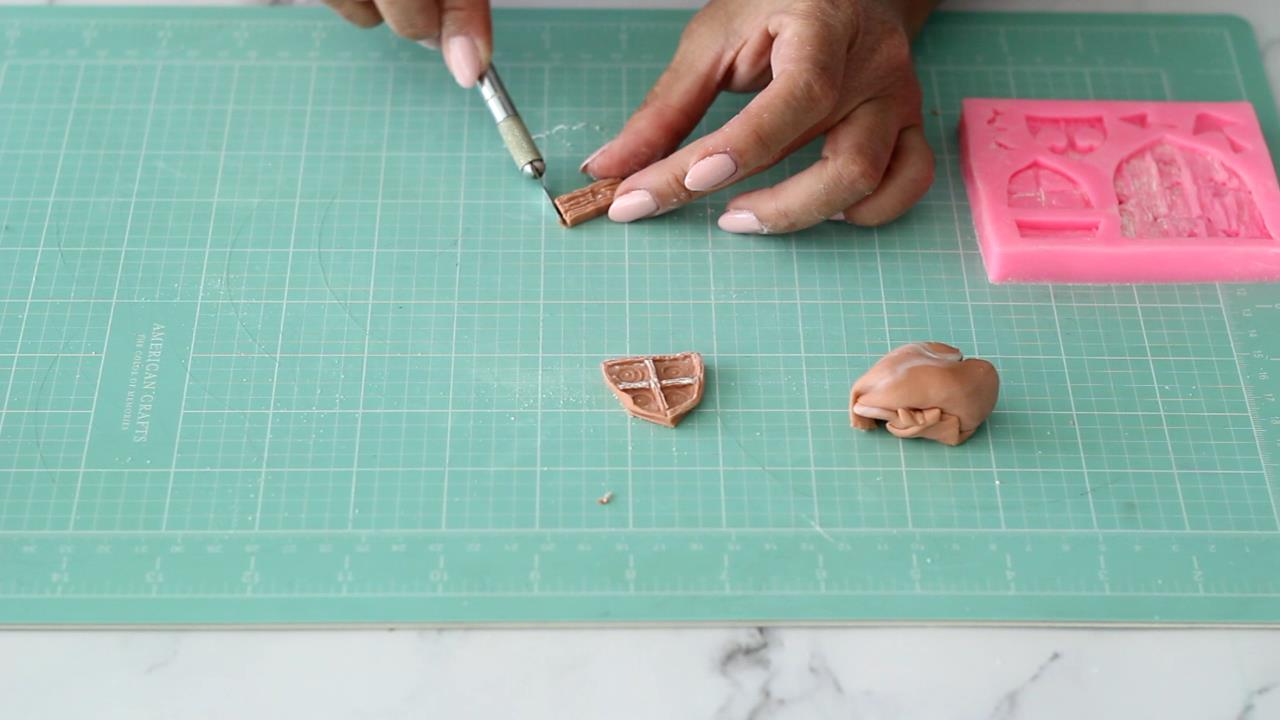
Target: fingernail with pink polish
463,58
633,206
710,172
583,167
741,221
431,43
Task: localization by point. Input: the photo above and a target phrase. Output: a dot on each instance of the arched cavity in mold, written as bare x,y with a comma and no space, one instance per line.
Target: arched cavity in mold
1068,136
1206,123
1166,190
1040,186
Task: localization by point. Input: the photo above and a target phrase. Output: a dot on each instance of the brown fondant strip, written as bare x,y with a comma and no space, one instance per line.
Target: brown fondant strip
586,203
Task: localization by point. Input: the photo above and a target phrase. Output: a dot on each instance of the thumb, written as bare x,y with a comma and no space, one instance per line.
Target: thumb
670,111
466,35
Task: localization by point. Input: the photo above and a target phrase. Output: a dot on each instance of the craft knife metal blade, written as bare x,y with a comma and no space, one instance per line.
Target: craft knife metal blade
551,199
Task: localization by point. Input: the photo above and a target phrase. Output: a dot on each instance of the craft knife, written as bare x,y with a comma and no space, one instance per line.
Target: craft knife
514,134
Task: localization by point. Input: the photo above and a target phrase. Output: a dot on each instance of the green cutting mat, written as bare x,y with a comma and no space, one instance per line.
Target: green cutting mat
284,338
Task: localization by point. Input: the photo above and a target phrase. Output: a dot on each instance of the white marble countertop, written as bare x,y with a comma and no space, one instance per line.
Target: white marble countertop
725,674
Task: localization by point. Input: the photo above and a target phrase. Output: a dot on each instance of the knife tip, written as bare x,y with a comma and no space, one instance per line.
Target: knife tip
551,199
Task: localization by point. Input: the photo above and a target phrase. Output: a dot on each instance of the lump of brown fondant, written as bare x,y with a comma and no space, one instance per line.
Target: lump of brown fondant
927,390
659,388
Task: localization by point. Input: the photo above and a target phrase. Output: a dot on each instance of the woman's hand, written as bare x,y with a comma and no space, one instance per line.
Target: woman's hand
839,68
461,27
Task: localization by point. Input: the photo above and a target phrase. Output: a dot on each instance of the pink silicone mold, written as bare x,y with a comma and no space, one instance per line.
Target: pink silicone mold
1123,192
